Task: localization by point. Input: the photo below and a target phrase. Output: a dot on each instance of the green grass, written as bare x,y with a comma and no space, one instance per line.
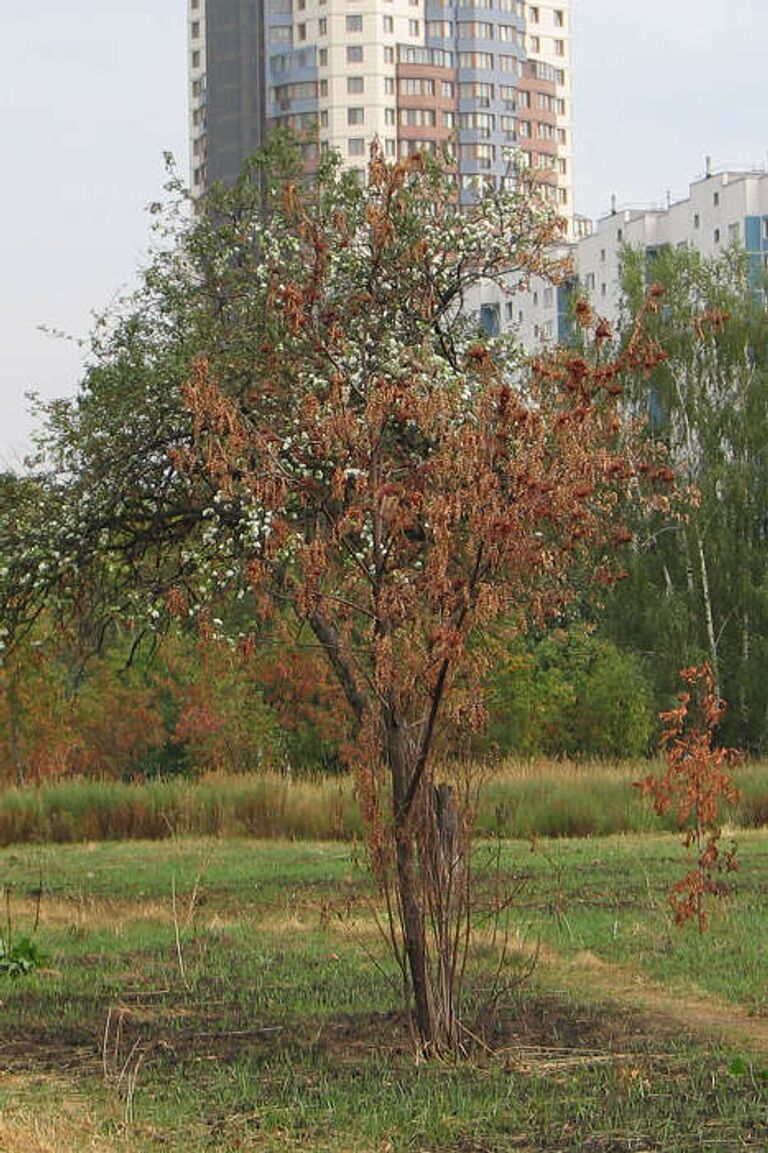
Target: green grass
279,1033
534,798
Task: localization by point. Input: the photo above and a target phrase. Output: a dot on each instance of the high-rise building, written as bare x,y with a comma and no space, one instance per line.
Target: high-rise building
484,78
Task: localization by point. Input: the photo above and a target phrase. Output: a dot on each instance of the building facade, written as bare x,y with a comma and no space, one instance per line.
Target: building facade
722,208
484,79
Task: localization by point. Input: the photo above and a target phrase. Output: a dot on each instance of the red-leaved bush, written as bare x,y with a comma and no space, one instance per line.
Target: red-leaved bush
696,782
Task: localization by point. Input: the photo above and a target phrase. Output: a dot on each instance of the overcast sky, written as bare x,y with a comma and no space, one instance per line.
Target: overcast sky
92,92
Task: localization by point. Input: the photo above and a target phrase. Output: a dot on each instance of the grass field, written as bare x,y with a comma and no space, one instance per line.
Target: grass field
228,995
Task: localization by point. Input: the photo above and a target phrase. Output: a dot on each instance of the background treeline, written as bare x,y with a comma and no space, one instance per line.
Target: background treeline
697,583
193,704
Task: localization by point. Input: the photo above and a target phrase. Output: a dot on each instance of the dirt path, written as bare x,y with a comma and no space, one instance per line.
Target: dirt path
703,1016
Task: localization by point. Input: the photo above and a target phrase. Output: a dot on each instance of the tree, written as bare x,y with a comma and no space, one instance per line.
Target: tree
698,585
357,456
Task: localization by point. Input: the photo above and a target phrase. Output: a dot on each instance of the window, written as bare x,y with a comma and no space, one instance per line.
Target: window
733,232
389,116
390,146
602,256
508,63
534,44
322,89
355,84
389,54
439,29
417,86
411,147
475,90
507,33
414,27
473,30
322,26
324,118
354,23
389,24
389,85
619,235
481,122
301,31
322,57
489,319
355,116
548,298
446,89
559,47
195,59
716,200
476,60
356,146
696,220
281,34
449,120
482,155
195,29
717,236
559,16
560,106
417,117
354,54
534,14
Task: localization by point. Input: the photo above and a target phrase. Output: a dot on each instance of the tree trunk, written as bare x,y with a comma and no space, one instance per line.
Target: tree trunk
708,613
409,888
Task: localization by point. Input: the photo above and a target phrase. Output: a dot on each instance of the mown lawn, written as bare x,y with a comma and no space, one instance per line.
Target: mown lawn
236,995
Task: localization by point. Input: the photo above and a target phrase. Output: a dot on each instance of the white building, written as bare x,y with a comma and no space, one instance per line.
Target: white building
721,208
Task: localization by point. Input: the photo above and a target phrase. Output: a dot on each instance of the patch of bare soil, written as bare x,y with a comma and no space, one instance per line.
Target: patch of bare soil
666,1010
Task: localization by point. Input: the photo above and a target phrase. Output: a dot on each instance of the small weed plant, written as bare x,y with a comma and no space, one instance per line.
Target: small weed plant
17,958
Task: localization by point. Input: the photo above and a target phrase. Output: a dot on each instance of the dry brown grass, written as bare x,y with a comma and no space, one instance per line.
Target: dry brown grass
68,1131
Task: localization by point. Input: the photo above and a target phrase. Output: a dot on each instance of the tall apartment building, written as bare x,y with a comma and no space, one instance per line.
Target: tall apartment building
483,77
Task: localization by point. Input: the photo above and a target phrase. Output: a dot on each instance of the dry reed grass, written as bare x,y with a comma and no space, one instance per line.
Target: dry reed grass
522,798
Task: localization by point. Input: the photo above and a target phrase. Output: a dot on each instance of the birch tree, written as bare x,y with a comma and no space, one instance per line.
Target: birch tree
699,584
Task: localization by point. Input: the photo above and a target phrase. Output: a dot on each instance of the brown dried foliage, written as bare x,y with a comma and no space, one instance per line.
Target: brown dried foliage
697,782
